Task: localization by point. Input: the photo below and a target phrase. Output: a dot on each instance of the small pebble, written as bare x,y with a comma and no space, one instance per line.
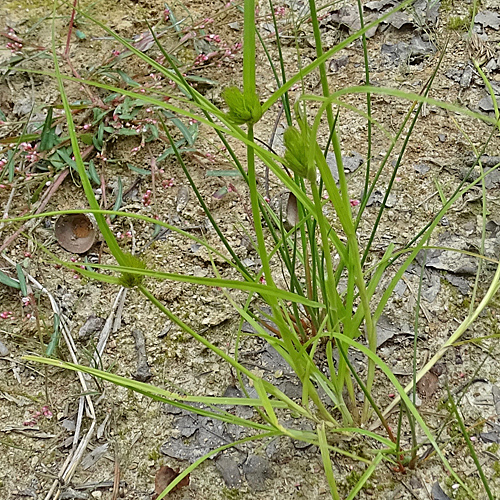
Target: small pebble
4,350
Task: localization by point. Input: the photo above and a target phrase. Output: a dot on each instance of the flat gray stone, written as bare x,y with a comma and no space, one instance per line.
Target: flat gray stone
257,469
4,350
488,19
228,467
93,325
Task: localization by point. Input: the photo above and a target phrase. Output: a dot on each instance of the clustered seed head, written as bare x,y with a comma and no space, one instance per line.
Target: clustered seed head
297,153
242,108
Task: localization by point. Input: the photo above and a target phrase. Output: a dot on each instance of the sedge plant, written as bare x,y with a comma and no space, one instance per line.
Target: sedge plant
314,314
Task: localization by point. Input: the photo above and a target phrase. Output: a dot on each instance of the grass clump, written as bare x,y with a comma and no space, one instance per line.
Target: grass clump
457,23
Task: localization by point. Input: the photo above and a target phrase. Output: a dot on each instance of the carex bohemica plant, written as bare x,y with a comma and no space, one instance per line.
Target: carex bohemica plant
331,305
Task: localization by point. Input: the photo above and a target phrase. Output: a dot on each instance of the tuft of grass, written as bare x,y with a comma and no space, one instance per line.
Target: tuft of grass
128,279
464,23
457,23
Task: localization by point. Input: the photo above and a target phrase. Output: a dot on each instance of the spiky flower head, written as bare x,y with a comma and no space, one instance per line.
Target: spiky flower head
297,153
242,108
131,280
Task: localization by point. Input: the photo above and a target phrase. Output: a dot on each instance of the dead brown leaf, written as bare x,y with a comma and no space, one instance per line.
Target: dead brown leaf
164,476
428,385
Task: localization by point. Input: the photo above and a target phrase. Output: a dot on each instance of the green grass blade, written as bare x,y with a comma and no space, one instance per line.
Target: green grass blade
327,462
366,475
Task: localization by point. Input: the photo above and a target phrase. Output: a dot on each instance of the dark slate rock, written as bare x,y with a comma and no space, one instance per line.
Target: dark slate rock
94,324
488,19
461,283
228,467
257,469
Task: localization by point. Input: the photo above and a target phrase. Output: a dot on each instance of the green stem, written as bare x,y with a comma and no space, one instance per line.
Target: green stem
326,93
249,48
298,362
368,104
333,302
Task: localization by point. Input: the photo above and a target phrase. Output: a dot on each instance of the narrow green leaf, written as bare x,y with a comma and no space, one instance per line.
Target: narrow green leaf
170,151
266,403
119,197
127,79
366,475
126,131
92,173
138,170
20,138
8,281
176,25
67,159
186,133
200,79
22,280
327,462
216,282
155,134
175,399
48,139
54,339
36,194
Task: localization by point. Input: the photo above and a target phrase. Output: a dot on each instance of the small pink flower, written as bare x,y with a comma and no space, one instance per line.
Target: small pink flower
354,203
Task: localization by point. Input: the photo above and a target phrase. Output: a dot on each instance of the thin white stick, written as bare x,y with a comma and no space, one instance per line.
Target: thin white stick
104,336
